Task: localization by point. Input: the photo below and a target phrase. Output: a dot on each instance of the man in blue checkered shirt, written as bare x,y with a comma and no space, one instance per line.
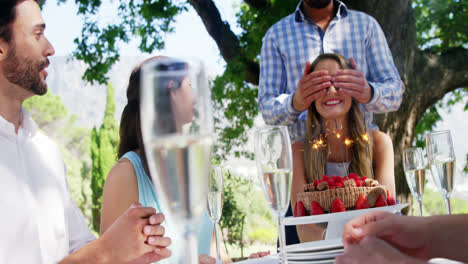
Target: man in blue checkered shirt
287,89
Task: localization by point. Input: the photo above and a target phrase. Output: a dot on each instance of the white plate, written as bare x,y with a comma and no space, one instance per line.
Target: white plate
318,254
312,256
316,246
325,261
348,215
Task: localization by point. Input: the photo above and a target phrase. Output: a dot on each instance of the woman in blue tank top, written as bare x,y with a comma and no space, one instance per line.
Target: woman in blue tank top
128,181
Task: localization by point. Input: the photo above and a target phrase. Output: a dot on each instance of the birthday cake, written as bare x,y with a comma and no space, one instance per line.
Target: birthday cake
337,194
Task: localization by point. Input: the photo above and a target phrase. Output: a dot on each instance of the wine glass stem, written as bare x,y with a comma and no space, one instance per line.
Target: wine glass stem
191,248
218,252
447,205
420,207
282,240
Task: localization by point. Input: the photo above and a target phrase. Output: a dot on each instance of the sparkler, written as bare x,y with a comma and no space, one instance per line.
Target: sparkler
341,147
315,147
365,137
347,143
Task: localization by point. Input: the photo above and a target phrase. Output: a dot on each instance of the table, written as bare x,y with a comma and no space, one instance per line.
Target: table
270,259
273,259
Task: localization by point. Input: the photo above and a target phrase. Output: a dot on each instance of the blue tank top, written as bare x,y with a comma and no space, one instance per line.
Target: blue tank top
148,198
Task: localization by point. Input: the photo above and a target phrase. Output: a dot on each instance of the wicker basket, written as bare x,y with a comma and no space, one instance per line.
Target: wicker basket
348,195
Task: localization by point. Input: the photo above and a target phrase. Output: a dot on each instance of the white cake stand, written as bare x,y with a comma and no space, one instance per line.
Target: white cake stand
336,221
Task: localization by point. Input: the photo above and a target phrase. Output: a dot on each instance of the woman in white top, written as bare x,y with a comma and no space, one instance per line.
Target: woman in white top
338,142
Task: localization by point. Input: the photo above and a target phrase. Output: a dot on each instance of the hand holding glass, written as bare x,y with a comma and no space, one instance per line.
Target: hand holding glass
274,165
441,157
415,171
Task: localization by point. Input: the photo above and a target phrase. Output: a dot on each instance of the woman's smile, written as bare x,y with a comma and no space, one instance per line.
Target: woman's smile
333,102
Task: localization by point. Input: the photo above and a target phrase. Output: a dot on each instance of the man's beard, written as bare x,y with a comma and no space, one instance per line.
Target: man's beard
318,4
25,72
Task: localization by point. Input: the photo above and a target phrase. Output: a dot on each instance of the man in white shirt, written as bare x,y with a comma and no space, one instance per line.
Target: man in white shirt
39,222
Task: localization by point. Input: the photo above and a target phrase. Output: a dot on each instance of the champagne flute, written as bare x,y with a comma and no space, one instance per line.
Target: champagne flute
441,156
415,171
177,127
274,165
215,203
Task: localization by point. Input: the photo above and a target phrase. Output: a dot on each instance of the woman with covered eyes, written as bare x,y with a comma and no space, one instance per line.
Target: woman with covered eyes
338,142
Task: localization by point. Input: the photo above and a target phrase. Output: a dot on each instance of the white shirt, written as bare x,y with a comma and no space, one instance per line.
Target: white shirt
39,222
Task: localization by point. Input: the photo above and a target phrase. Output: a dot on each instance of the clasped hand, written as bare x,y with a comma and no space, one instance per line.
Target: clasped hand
137,236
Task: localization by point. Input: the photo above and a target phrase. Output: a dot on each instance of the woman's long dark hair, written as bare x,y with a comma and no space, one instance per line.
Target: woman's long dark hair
130,126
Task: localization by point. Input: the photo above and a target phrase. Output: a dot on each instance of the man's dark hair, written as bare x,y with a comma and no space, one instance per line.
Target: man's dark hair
7,16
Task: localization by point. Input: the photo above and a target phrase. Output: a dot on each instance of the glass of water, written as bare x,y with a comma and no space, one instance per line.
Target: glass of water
415,171
441,157
274,166
215,203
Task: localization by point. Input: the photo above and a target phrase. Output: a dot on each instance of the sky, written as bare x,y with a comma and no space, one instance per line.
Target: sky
192,40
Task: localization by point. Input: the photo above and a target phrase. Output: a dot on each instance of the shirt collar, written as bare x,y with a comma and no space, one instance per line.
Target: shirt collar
341,13
27,125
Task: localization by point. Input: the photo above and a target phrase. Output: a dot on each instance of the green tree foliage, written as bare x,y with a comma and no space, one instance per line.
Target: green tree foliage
433,204
99,44
246,216
233,218
441,24
104,142
54,120
46,109
232,94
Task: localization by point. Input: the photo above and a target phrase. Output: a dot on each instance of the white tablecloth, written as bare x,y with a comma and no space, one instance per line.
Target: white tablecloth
273,259
270,259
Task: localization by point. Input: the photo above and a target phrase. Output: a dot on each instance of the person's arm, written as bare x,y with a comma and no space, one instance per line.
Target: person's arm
384,160
305,232
125,241
120,191
373,250
449,237
299,174
382,74
444,236
224,255
93,253
274,102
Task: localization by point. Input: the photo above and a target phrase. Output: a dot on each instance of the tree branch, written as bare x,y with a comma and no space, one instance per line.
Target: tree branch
220,31
439,74
227,42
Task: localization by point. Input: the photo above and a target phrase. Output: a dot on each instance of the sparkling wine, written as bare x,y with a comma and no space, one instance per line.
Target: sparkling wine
215,205
415,180
182,163
442,173
277,189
